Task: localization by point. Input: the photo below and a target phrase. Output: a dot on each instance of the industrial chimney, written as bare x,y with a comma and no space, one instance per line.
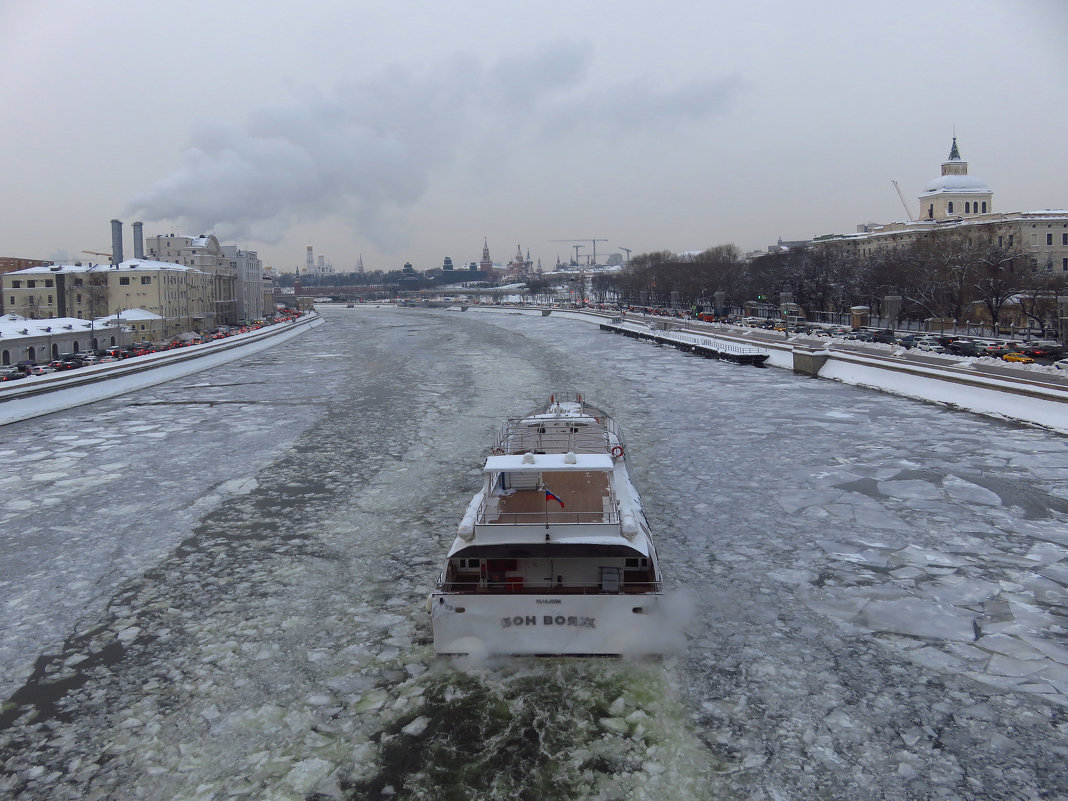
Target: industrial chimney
116,242
139,241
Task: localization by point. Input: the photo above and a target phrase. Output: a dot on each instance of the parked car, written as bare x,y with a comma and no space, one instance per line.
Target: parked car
886,336
1061,364
12,374
931,346
1042,349
964,347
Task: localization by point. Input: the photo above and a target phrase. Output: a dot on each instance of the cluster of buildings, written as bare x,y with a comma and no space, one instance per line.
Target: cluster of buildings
172,285
519,268
322,267
958,204
178,284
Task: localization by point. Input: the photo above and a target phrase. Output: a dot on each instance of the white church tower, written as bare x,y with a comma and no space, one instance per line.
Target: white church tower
955,195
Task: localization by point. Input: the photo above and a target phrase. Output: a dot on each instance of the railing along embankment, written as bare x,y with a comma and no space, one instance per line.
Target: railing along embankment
40,395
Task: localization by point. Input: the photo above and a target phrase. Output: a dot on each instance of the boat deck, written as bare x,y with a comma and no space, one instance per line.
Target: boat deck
586,499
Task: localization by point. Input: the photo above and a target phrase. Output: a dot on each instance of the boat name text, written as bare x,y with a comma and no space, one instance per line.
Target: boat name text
548,620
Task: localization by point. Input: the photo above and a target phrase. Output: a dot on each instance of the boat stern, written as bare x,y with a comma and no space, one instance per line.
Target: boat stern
544,625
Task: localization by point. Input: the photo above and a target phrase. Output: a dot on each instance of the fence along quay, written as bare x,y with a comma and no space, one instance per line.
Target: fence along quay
707,346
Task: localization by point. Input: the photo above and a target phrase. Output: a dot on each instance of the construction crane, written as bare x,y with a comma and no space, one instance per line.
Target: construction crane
584,239
625,250
98,253
903,203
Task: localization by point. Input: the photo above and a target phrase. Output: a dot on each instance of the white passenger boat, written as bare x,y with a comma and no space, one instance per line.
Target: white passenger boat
554,554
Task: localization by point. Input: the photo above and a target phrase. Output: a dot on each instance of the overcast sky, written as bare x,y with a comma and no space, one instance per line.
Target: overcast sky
405,130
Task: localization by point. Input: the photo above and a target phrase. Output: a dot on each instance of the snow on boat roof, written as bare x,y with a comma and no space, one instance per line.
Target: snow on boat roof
514,463
593,545
571,415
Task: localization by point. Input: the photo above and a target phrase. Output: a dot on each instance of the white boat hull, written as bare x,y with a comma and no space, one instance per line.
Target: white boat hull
532,624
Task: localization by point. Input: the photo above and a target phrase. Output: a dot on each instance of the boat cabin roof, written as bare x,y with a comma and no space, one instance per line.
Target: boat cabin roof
543,462
563,414
520,550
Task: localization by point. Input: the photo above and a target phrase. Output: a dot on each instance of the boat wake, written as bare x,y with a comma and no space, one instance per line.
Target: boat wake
537,729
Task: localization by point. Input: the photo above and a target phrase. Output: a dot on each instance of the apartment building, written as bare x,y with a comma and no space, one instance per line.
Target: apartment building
181,297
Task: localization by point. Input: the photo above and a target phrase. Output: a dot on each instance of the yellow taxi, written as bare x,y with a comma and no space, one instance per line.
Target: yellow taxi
1017,357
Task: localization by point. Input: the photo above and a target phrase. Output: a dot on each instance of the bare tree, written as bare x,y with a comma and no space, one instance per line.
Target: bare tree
939,276
1039,303
999,277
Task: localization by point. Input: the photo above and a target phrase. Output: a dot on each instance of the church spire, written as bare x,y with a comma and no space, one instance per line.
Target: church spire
954,165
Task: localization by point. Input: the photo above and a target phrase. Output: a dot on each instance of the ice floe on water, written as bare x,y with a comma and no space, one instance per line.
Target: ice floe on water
878,608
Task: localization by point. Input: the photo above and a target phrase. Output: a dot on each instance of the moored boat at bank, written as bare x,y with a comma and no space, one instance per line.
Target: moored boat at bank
554,553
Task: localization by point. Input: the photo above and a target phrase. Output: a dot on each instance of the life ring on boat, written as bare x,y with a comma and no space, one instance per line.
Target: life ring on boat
617,451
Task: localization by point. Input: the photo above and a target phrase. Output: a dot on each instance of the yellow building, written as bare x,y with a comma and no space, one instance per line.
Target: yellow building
203,253
960,204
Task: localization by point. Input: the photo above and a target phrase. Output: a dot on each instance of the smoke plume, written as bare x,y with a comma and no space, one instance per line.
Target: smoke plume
368,150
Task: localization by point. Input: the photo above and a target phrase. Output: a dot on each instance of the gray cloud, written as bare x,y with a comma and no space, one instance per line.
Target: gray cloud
367,150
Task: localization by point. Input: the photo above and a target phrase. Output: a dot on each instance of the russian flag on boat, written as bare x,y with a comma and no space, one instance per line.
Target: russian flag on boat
550,497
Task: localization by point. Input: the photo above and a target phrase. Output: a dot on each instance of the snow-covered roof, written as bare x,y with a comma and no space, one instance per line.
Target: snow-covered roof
957,184
149,264
128,264
127,316
44,269
12,326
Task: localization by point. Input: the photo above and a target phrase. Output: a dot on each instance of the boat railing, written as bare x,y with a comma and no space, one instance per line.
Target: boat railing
518,587
519,436
522,440
547,518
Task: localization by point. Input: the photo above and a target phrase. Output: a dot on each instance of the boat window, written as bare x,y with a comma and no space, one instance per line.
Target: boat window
519,481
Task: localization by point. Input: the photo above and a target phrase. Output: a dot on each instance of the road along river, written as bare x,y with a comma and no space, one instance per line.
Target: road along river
213,588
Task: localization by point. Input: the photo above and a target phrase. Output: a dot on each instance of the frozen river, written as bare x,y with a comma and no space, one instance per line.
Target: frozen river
213,588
